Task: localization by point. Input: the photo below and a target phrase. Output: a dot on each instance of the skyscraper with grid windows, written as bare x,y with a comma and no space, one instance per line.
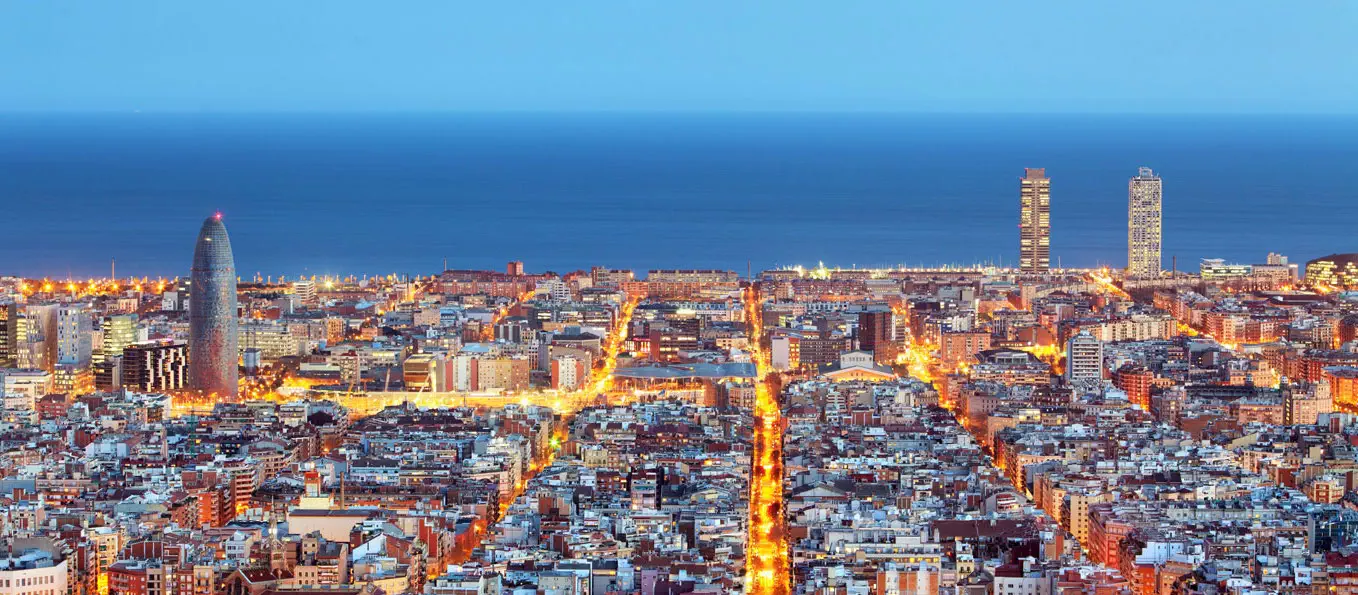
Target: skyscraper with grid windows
1143,224
1035,228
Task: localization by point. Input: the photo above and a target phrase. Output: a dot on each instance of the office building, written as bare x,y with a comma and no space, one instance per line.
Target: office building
1035,221
73,380
273,340
9,335
305,292
213,350
876,334
1335,270
155,367
38,336
75,332
1217,269
34,383
120,330
1084,361
1143,224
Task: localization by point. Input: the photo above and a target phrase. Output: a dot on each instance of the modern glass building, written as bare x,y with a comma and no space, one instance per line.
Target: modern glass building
213,339
1335,270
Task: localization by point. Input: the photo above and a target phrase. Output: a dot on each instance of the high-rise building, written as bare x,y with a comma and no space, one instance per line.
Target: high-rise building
120,330
876,334
154,367
213,351
75,332
514,268
1143,224
38,336
9,335
1084,361
1035,221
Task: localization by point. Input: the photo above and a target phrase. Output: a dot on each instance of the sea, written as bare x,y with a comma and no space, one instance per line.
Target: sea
364,194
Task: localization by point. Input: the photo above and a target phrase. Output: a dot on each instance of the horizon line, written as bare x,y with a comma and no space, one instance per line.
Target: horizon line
661,111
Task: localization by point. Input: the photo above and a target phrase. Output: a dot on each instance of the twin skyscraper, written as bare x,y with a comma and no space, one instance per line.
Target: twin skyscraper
1144,227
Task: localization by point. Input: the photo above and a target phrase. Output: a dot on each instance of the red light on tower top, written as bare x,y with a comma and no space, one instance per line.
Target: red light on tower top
217,215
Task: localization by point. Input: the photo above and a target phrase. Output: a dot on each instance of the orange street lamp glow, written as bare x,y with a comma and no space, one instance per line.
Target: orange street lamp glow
766,563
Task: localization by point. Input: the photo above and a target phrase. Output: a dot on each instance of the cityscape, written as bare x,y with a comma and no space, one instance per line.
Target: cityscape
953,430
701,298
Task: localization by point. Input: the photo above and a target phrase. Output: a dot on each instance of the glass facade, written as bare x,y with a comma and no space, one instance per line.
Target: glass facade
213,339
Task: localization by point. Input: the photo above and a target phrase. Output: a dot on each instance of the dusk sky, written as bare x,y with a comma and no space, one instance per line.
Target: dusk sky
1049,56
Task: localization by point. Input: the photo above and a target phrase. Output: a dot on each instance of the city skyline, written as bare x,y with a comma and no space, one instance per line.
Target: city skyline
678,299
1142,248
903,189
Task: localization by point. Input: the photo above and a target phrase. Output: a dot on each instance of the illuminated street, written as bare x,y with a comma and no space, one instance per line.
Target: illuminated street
766,570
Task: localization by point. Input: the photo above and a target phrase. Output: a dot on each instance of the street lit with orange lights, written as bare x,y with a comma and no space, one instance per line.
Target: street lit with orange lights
600,382
919,361
766,563
1104,280
280,386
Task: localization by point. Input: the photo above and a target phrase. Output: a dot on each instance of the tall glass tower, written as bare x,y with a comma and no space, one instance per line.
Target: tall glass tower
212,313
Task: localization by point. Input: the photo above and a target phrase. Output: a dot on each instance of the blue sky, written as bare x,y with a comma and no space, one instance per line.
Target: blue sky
897,55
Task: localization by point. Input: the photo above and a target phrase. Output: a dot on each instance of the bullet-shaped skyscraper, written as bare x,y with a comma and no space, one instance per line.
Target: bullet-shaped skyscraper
1035,227
1143,224
212,313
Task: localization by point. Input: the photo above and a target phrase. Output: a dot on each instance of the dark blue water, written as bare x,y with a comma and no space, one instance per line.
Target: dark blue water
369,193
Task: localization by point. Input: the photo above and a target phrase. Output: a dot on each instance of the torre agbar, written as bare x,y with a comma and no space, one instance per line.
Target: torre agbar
212,312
